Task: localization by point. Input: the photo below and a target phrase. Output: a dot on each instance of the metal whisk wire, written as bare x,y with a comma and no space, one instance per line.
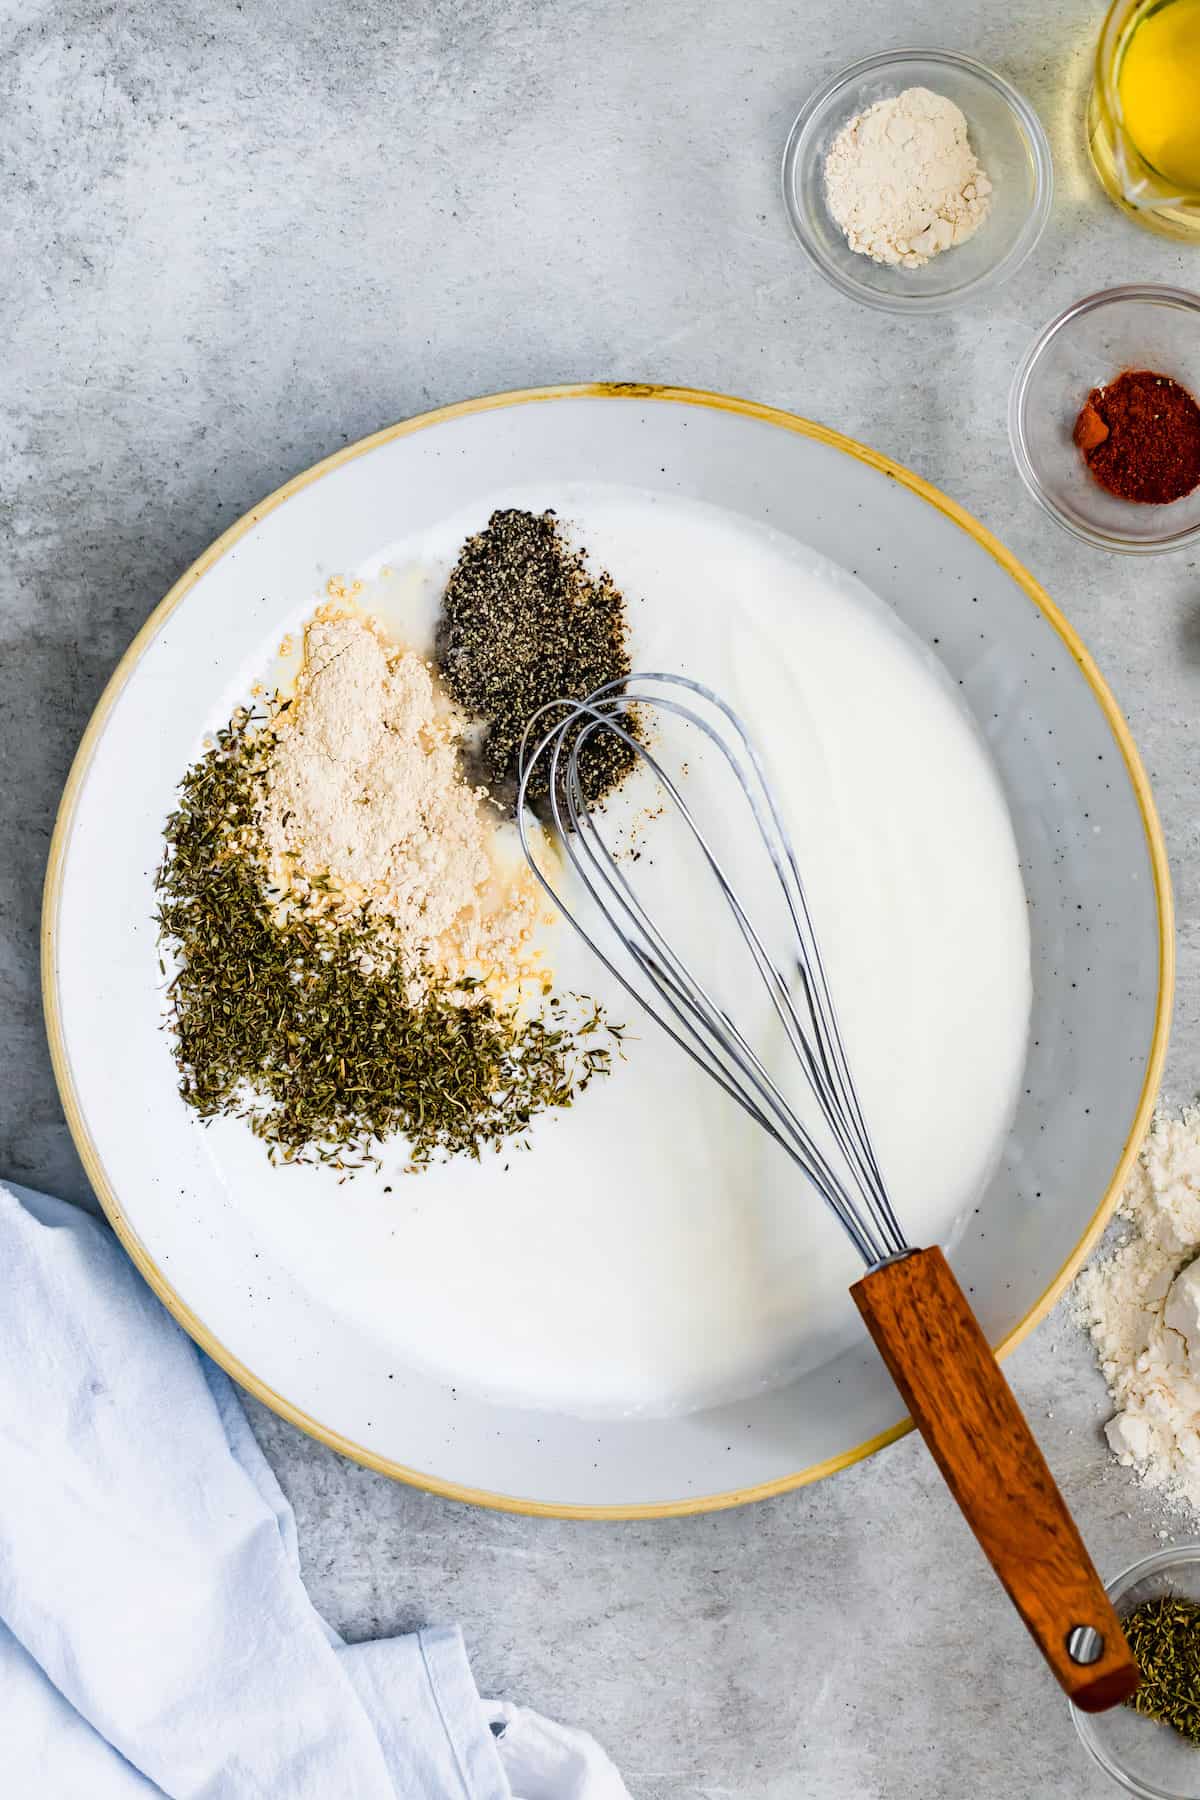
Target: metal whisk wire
912,1305
682,1004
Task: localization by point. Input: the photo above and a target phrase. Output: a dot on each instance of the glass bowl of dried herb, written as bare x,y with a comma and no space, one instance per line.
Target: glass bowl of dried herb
1151,1745
1134,486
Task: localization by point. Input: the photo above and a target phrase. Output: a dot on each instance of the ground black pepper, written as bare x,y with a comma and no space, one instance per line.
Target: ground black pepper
524,623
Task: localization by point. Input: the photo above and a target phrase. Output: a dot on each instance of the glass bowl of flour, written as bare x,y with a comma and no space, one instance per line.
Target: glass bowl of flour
1145,1756
917,180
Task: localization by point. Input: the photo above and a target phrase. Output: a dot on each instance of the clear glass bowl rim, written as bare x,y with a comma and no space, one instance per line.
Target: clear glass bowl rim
1156,1563
1185,300
1008,264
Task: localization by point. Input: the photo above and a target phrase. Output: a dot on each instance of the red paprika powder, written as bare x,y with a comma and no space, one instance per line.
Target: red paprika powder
1140,437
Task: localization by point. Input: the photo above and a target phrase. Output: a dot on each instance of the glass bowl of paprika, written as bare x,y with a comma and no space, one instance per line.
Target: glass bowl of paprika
1150,1746
1105,422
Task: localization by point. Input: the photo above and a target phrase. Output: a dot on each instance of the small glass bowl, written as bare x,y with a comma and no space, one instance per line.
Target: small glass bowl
1091,343
1144,1755
1008,140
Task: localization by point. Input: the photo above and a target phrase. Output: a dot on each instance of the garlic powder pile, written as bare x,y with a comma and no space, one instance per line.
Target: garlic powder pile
1141,1306
365,802
903,182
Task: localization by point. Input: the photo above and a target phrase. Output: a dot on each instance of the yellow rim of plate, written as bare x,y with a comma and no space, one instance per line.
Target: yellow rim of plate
521,397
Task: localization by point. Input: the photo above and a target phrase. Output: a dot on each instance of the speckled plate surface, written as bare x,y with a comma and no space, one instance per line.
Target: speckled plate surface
1091,852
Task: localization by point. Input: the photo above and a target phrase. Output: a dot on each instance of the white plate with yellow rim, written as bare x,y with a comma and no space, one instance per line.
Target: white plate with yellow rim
1091,854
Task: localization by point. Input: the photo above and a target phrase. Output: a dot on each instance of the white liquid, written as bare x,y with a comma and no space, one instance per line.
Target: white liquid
655,1251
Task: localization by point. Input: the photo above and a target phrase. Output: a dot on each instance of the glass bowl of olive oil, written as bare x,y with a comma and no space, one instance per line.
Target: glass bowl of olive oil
1144,113
1149,1756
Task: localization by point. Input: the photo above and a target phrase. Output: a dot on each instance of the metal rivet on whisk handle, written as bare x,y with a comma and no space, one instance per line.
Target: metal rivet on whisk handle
1084,1644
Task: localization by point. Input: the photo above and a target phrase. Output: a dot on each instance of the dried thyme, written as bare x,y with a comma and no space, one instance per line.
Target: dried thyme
523,623
1164,1636
297,1028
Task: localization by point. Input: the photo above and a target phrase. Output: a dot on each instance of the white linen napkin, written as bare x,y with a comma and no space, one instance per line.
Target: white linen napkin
155,1636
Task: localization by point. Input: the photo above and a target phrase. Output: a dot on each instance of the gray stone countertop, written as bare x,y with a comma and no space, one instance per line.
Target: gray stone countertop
244,233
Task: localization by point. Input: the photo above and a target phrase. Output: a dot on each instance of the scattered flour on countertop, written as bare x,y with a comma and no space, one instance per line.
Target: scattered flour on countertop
365,788
903,182
1141,1306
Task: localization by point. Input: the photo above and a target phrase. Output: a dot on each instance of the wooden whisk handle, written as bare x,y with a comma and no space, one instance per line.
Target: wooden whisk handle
963,1407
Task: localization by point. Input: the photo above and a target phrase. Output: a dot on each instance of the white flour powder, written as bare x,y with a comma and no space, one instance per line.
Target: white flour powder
902,180
1142,1308
365,801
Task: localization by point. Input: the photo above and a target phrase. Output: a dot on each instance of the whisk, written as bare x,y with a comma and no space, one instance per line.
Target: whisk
910,1300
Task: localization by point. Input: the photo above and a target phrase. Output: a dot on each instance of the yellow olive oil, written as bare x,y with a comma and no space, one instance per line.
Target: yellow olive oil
1159,87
